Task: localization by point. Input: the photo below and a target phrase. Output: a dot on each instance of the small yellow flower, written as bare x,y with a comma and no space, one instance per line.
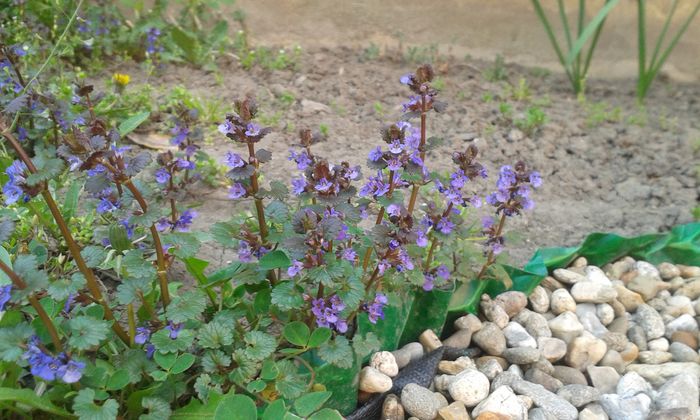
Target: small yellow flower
121,79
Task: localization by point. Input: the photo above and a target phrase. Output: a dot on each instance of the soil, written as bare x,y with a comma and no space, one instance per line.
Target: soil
630,176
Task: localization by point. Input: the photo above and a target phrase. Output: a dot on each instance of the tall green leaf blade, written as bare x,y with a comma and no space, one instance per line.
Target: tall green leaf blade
589,31
28,397
132,123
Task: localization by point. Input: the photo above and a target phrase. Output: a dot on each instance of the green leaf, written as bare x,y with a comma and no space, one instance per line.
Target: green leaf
275,259
256,386
214,335
289,383
118,380
165,360
63,287
70,203
130,124
260,345
337,352
185,244
319,336
184,362
275,410
297,333
189,305
136,265
132,289
269,370
307,404
87,332
48,169
187,43
214,360
195,410
27,397
12,340
162,341
157,408
365,345
286,296
236,407
85,407
159,375
224,233
327,414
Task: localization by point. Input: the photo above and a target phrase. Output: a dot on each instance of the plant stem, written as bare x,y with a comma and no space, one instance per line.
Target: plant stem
92,282
45,319
641,46
157,244
380,217
490,257
132,323
260,210
421,147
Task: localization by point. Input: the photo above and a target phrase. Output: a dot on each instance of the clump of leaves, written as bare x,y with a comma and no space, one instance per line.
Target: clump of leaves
322,263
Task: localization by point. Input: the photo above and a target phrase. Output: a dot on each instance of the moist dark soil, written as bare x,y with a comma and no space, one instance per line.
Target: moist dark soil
631,171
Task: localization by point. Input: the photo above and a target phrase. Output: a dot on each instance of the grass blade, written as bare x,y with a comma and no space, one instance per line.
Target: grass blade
589,30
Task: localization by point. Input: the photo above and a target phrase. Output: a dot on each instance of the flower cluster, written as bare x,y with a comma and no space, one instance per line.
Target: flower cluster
109,201
240,171
323,179
437,273
8,55
392,239
50,368
5,296
513,189
152,41
249,246
380,185
375,309
327,313
240,127
180,224
16,188
403,151
424,98
318,232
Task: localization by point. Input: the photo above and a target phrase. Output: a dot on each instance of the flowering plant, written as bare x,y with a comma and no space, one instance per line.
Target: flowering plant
322,275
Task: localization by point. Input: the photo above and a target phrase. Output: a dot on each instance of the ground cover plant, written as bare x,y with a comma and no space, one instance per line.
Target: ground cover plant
92,325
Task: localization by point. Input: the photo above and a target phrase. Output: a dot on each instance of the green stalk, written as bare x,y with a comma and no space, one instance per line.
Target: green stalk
552,39
642,48
90,278
594,42
662,36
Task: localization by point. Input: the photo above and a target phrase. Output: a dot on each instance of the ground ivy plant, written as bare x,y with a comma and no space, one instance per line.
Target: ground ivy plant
108,327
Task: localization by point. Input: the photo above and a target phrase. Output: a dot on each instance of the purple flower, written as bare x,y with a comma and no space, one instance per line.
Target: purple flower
226,127
162,176
69,303
295,268
487,222
107,206
143,334
12,193
150,349
375,310
406,79
349,254
182,224
236,191
151,41
74,163
413,101
375,154
393,210
535,179
71,372
396,147
180,134
185,164
327,314
298,185
245,253
4,296
252,129
475,201
303,160
445,226
422,240
22,134
428,282
375,186
234,160
443,272
163,224
174,330
323,185
394,164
